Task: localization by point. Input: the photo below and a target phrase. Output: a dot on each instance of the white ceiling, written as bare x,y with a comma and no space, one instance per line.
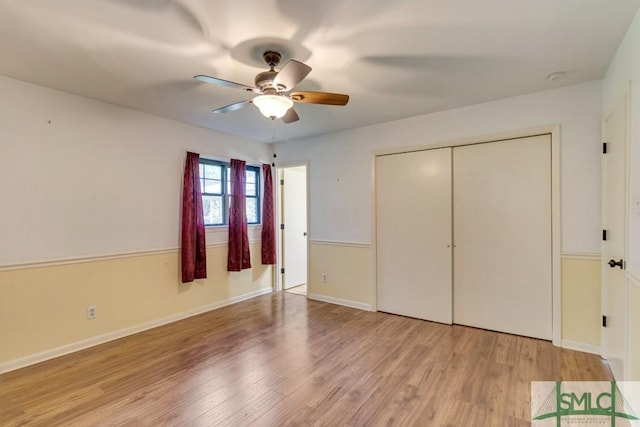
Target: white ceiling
395,59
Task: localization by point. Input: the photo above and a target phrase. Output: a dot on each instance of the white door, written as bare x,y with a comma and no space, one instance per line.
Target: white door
413,234
294,218
502,236
614,192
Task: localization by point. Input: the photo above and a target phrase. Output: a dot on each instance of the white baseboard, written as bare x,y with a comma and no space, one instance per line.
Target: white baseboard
580,346
340,301
22,362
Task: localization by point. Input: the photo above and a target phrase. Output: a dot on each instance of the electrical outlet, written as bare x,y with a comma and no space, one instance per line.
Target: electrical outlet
325,278
92,311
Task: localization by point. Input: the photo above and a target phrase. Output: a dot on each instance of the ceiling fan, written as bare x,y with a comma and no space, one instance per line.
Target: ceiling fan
275,99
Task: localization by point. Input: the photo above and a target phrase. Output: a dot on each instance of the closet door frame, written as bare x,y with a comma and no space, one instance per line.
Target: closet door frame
556,219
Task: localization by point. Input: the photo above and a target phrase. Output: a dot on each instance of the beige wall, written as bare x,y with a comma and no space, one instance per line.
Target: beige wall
348,268
43,308
581,300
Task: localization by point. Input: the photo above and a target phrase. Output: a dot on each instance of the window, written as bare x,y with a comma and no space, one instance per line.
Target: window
216,188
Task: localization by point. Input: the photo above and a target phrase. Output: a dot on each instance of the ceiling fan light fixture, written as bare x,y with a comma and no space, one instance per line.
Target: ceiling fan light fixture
273,106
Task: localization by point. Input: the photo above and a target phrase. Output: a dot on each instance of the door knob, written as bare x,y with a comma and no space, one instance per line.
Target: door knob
304,234
613,263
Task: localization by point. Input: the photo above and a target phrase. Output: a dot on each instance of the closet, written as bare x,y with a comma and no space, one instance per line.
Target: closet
463,235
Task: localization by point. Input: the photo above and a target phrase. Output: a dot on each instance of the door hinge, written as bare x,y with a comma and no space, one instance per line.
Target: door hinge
604,234
281,226
604,321
282,182
604,148
282,270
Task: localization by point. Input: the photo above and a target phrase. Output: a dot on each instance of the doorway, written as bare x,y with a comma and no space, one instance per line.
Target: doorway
293,259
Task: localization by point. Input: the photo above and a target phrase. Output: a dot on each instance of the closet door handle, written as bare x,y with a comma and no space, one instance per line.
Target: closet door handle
613,264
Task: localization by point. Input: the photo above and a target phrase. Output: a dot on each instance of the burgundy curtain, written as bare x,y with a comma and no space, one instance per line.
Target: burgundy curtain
268,220
194,249
238,257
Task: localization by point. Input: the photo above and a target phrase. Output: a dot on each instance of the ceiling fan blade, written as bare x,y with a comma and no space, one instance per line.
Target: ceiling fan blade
233,107
220,82
290,116
320,98
291,74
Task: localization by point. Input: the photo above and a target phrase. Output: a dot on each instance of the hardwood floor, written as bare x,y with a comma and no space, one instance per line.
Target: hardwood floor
285,360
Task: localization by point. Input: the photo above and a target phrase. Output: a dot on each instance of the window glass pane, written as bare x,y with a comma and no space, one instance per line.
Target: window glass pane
212,207
215,185
212,186
213,172
252,210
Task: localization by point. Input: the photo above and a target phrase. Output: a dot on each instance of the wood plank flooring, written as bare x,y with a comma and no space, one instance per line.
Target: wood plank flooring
284,360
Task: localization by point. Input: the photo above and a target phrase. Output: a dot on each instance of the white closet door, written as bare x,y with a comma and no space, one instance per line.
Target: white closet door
413,234
614,201
502,236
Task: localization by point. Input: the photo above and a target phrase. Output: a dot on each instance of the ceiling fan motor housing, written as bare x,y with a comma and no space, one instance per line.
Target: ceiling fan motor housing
264,80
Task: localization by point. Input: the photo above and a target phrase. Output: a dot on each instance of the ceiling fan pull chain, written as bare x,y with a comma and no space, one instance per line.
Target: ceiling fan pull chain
273,131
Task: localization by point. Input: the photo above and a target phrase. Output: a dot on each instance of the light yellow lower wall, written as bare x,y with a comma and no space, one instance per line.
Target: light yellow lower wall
633,330
44,308
581,296
348,269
